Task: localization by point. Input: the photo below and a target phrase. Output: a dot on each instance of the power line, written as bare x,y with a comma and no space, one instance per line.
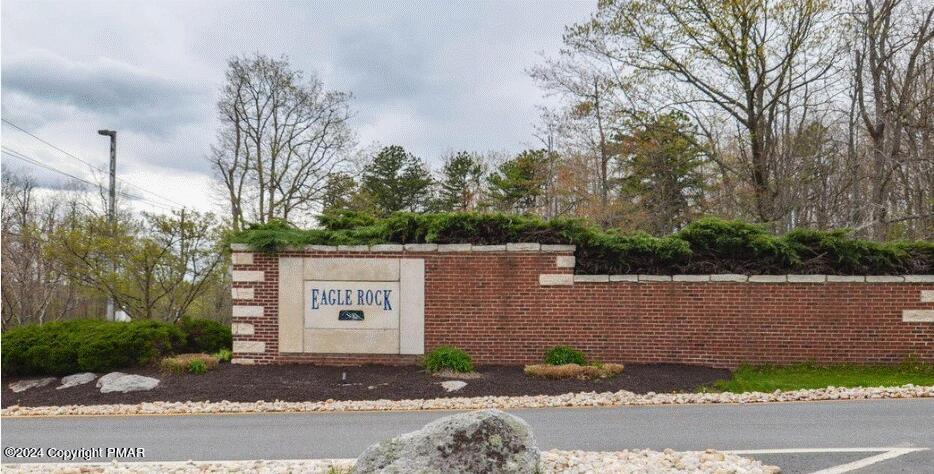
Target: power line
22,157
15,154
53,146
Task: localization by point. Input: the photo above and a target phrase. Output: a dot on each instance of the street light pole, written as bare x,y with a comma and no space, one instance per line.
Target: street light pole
111,210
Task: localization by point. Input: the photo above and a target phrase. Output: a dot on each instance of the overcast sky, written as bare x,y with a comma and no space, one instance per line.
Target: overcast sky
430,76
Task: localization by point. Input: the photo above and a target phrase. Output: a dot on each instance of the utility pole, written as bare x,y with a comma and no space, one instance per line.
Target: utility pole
111,208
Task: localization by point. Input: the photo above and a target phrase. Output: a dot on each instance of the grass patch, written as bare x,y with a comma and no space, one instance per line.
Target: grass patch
577,371
802,376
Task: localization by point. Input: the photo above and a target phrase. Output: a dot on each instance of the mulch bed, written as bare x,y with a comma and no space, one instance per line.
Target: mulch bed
295,383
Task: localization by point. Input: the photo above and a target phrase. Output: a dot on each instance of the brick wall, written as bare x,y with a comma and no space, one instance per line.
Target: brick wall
507,306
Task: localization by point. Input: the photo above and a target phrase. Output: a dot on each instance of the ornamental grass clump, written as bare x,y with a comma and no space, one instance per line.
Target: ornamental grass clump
576,371
565,362
448,358
190,363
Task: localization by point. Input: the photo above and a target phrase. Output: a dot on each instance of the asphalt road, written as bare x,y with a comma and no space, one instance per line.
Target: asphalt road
799,437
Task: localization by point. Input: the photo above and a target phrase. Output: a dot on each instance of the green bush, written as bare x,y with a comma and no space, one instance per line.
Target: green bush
197,367
450,358
204,335
708,245
61,348
224,355
560,355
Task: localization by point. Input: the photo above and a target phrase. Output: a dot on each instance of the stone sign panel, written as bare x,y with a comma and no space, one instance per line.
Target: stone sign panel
351,305
377,301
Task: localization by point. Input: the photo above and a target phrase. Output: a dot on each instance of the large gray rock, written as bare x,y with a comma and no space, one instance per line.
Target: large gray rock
76,379
128,383
23,385
486,441
108,377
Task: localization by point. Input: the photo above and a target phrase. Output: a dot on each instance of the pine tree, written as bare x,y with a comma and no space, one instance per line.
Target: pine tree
459,189
397,181
519,183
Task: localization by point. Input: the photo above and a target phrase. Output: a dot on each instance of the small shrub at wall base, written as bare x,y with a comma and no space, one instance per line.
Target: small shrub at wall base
450,358
560,355
224,355
197,367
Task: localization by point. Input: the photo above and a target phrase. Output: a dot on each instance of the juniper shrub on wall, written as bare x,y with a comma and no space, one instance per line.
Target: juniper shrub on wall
708,245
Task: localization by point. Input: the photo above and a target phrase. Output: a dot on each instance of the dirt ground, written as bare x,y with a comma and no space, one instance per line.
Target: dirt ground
243,383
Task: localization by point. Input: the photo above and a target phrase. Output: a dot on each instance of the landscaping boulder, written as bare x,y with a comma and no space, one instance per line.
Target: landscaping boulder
23,385
108,377
453,385
486,441
129,383
76,379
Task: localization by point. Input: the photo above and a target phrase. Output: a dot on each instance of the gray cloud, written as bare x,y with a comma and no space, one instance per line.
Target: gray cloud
431,76
135,98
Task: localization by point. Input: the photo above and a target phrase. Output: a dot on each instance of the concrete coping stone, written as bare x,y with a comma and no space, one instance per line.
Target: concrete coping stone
700,278
632,278
558,248
421,247
768,278
591,278
387,248
320,248
455,247
353,248
728,277
508,247
523,247
884,279
846,278
489,248
919,278
654,277
807,278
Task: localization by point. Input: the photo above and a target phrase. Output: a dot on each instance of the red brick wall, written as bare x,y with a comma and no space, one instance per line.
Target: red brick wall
491,304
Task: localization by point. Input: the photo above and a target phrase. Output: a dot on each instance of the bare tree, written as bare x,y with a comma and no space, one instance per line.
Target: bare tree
591,117
891,61
740,57
280,137
34,289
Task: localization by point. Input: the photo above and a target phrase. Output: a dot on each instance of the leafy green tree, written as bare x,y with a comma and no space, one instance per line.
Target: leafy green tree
154,268
518,184
663,171
460,185
397,181
338,192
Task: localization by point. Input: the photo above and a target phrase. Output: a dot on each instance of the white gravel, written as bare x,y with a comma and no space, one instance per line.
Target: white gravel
554,461
582,399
